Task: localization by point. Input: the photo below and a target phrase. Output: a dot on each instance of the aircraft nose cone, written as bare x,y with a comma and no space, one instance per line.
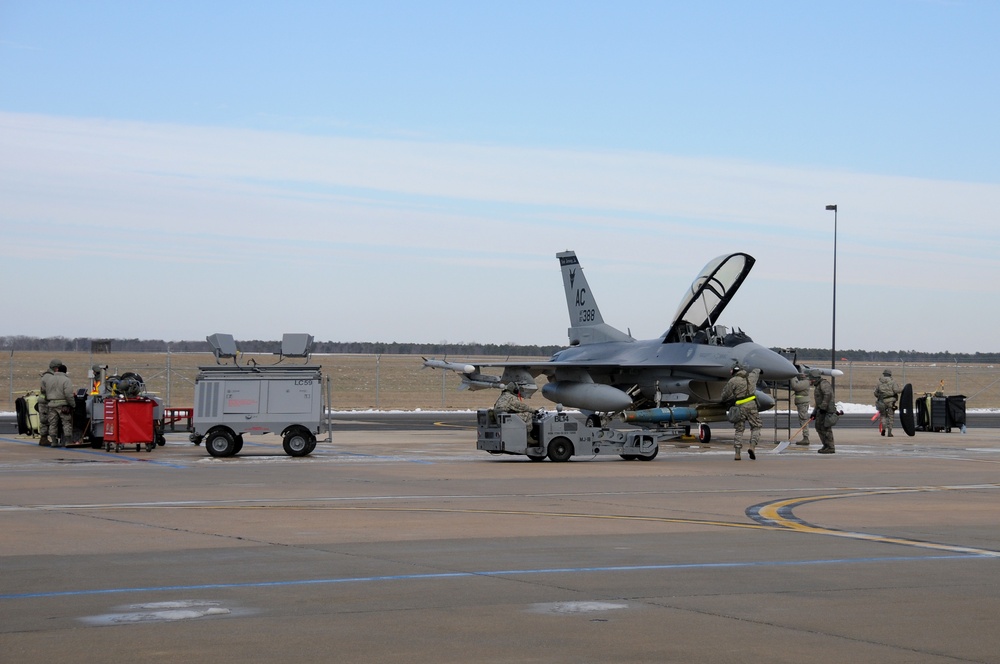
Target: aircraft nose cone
772,365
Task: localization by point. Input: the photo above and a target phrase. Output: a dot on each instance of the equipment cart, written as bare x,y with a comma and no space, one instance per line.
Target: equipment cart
234,400
129,421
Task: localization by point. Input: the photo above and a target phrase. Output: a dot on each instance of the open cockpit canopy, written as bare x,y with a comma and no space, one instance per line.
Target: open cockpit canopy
707,297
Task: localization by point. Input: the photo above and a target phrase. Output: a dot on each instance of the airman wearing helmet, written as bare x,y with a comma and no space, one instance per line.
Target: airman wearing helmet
886,396
510,402
825,413
741,391
58,391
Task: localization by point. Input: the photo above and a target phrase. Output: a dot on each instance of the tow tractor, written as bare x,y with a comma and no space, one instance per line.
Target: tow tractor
560,434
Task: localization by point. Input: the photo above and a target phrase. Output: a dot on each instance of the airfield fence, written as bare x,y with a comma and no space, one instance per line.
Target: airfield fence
399,382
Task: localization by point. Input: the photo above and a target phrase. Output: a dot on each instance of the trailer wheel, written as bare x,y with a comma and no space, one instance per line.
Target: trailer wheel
297,442
704,433
656,450
220,443
560,449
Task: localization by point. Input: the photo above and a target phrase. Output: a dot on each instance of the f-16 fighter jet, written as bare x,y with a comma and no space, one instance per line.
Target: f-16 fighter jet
677,377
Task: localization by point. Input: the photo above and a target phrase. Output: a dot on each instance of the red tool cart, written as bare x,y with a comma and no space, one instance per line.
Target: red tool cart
129,421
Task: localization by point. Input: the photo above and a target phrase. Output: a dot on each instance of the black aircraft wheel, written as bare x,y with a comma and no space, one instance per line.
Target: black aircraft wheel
560,449
297,442
704,433
906,419
656,450
220,443
594,421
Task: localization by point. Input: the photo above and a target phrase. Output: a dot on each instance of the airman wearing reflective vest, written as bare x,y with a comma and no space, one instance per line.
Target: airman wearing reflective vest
741,390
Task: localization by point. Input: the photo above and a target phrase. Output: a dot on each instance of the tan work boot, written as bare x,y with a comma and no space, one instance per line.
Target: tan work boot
44,441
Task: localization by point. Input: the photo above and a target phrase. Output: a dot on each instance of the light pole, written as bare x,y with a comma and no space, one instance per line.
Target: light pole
833,336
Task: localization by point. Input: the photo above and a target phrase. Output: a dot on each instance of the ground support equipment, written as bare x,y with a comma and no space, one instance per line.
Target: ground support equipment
127,422
231,401
560,435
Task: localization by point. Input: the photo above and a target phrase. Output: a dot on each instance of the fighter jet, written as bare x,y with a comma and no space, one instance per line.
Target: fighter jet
677,377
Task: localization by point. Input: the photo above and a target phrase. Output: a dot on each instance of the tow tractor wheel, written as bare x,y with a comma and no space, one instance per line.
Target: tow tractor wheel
239,444
560,449
220,443
704,433
298,442
537,457
629,457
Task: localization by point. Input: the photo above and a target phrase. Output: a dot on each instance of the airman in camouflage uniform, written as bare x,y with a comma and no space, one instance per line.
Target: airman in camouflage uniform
826,406
742,389
510,402
886,395
800,389
59,392
43,406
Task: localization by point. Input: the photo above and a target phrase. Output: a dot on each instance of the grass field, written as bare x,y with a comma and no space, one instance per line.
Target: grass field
399,382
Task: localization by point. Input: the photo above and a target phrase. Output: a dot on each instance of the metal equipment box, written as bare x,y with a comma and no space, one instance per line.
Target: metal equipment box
129,421
230,401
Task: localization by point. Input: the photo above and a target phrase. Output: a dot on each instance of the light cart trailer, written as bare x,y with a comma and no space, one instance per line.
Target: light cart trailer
560,435
231,401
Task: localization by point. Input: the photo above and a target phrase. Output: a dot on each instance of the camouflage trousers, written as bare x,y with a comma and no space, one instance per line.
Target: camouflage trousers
60,415
43,418
803,409
748,416
825,433
887,414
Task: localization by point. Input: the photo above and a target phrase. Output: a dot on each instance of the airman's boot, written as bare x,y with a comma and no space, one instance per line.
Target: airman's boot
737,453
44,441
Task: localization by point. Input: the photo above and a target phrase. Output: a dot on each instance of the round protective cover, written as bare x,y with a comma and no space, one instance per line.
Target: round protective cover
906,410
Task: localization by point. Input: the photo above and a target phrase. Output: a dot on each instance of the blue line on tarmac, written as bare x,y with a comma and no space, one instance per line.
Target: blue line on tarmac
515,572
118,457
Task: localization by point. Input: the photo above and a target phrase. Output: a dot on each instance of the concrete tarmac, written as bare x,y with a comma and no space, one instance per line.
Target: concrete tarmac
409,545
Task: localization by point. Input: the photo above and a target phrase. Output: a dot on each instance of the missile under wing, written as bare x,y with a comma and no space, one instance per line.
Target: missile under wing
606,370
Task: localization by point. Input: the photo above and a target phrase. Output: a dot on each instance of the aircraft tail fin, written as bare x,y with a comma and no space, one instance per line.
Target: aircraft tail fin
587,326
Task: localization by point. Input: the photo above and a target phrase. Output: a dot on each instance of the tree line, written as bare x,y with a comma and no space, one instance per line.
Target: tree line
86,344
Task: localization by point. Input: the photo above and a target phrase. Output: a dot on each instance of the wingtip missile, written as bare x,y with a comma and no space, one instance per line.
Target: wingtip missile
834,373
467,369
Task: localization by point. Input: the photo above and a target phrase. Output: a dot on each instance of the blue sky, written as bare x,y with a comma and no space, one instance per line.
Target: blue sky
403,171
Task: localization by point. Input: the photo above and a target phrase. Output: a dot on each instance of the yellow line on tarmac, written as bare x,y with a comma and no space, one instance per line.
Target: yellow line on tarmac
773,514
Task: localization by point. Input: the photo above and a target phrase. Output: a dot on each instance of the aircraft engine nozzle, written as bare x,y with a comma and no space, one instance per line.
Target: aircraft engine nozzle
587,396
662,415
